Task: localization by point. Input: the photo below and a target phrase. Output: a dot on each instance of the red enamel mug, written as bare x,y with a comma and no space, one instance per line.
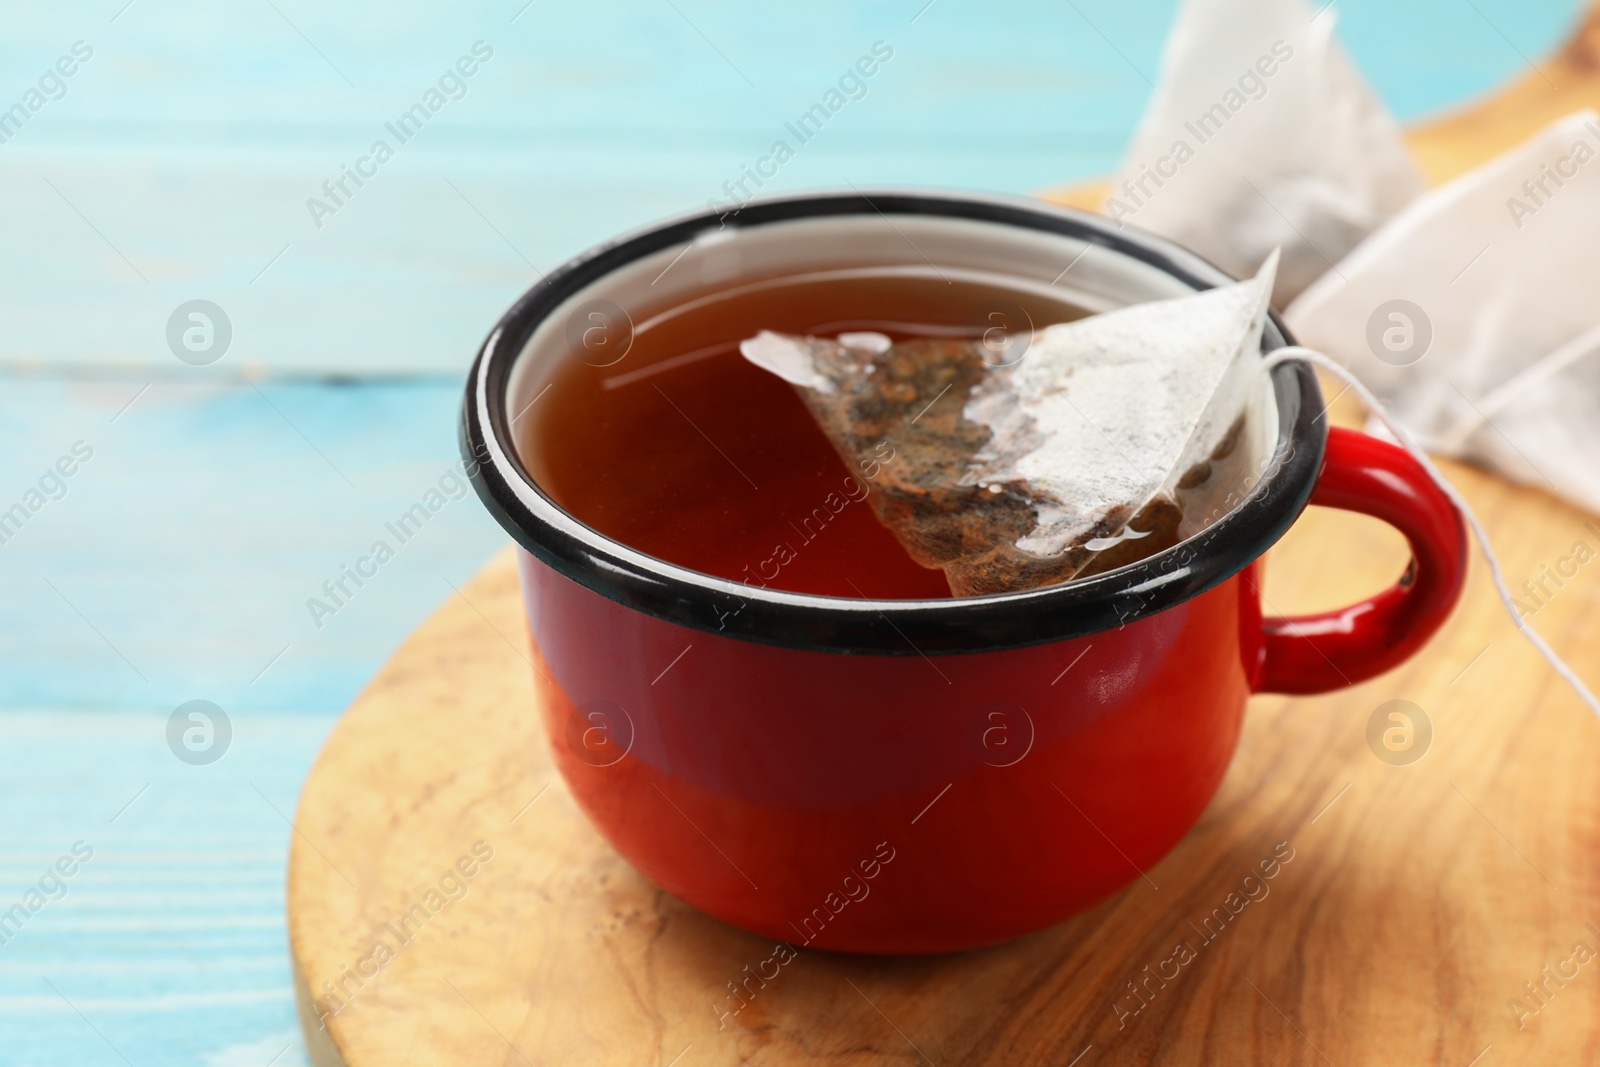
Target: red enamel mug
916,776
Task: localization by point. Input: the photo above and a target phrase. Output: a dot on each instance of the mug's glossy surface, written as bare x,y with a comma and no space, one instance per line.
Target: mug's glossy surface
903,804
891,803
924,776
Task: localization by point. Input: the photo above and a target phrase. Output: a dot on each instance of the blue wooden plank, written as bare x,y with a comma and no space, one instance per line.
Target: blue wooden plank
178,562
166,945
180,161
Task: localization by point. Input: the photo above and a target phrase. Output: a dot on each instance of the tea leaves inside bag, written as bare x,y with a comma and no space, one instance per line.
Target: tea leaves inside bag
1108,439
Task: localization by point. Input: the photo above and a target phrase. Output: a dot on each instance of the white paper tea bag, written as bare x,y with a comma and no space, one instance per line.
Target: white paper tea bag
1109,439
1472,315
1263,134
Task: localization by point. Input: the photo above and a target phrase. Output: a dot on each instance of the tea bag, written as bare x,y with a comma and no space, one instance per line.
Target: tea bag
1065,452
1472,316
1263,134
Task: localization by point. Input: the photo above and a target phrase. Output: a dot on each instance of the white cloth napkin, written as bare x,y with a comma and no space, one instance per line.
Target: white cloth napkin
1263,134
1473,314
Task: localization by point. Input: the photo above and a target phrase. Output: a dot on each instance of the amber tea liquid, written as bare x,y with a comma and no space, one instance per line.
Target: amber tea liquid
685,451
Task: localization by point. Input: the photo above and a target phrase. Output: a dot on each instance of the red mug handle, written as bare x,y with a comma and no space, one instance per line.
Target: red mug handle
1316,653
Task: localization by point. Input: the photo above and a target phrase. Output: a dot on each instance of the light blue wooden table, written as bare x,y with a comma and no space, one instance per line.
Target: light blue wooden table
174,564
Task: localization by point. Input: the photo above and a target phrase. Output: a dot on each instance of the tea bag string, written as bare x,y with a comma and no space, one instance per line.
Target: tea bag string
1291,352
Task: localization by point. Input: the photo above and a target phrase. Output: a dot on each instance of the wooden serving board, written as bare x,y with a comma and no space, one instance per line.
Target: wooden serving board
447,896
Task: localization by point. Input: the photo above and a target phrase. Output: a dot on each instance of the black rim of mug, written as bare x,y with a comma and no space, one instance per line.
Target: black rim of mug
881,627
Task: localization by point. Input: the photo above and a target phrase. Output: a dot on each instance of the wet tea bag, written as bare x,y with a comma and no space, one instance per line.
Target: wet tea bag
1064,452
1263,134
1472,316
